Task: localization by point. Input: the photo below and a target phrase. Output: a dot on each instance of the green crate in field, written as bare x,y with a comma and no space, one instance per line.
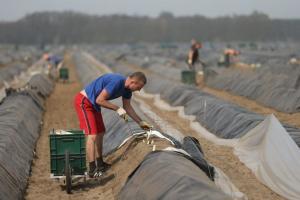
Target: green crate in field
77,163
75,144
64,73
188,77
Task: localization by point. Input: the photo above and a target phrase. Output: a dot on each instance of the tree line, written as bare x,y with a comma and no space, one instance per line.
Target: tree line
73,27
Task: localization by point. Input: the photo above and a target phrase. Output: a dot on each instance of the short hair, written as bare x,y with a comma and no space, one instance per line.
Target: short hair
140,76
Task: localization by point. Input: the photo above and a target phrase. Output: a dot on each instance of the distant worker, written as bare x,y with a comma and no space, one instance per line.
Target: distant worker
193,55
88,105
54,63
54,60
229,53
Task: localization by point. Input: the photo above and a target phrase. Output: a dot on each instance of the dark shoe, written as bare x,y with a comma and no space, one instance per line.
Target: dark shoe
95,173
104,167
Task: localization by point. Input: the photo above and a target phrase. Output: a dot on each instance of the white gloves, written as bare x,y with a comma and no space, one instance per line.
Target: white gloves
144,125
189,61
122,113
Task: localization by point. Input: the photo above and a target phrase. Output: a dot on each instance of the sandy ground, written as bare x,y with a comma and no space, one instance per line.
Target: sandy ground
61,115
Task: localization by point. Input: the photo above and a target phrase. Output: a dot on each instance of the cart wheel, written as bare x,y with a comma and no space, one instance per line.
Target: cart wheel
68,172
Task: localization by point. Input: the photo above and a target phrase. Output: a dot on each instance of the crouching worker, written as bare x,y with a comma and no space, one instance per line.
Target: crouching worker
54,63
88,103
229,53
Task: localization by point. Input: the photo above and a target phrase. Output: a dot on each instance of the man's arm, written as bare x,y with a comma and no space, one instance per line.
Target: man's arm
190,56
130,111
103,102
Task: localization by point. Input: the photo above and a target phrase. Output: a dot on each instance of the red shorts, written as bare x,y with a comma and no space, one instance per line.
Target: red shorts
90,120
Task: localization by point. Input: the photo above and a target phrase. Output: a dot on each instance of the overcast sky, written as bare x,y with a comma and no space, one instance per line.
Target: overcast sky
15,9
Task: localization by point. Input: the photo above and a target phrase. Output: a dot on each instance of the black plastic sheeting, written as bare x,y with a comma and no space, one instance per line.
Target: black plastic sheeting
20,120
169,175
116,129
192,146
224,119
8,73
23,54
41,84
277,86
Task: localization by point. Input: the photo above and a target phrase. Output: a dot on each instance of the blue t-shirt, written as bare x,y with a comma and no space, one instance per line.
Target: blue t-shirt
55,59
114,84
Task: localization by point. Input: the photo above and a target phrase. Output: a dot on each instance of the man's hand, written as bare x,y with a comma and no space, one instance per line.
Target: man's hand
122,113
190,61
144,125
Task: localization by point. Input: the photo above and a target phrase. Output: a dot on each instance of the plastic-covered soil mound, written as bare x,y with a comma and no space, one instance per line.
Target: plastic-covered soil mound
20,121
8,73
169,175
276,86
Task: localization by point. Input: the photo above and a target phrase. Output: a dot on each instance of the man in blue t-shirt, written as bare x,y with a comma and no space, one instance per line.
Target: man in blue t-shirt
88,105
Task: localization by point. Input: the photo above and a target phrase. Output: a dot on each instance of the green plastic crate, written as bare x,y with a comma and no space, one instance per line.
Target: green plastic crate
188,77
75,144
64,73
